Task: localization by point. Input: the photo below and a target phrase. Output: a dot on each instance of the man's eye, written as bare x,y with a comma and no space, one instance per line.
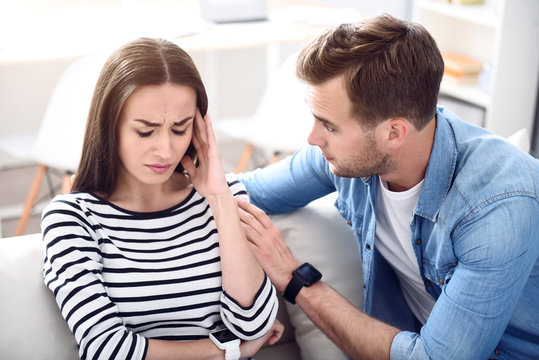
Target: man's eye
329,128
178,132
144,134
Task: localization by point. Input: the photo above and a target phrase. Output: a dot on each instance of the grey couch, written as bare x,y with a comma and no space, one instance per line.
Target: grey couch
32,327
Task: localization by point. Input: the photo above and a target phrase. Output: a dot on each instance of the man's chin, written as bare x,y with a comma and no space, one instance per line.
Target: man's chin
347,172
336,171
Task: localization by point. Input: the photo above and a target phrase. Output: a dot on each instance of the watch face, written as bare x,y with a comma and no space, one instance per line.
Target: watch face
224,336
309,273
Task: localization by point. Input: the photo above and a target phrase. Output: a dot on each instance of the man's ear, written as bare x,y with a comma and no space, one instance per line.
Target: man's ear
394,132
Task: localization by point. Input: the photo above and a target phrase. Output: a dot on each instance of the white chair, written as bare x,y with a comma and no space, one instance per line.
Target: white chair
58,143
281,122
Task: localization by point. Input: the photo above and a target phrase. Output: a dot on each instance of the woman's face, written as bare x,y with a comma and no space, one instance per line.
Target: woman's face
155,130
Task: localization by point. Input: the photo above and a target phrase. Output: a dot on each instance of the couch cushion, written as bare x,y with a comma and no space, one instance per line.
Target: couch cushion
319,235
36,328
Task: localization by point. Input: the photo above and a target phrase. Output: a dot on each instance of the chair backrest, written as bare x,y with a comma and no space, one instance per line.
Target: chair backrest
283,120
60,137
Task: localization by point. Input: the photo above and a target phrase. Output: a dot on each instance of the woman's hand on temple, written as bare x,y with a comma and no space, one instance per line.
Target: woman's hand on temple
209,177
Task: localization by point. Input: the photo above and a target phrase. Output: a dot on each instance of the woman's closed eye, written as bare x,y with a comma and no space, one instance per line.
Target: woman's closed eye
178,132
145,134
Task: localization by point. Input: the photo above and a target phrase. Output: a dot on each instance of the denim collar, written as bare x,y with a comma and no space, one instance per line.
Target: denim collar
440,169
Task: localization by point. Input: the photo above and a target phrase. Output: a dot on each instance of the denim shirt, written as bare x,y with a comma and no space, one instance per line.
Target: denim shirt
475,234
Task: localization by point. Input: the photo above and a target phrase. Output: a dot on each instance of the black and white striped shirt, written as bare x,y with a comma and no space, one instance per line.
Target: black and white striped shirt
120,277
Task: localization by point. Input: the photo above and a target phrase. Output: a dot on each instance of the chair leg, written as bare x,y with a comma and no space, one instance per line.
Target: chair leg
30,199
274,157
244,159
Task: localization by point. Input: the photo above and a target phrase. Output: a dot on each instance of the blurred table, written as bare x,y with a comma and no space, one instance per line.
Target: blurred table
72,29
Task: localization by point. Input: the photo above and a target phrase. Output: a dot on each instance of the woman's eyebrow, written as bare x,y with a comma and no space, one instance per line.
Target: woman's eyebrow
147,122
182,122
155,124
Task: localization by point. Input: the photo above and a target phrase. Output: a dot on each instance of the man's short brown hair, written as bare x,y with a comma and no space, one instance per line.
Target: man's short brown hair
391,68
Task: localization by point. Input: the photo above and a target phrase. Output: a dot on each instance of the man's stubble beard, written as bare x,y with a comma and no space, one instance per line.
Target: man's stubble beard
365,162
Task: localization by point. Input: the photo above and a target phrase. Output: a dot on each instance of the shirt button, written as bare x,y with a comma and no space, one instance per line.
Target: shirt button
441,281
368,247
427,283
418,241
349,223
496,351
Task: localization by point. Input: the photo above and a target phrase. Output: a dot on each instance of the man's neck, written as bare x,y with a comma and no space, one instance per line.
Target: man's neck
412,161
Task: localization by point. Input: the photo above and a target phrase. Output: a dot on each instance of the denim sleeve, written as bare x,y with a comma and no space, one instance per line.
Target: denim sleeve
291,183
497,249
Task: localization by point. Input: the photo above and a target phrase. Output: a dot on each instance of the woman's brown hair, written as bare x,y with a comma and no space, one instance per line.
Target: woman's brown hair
140,62
391,68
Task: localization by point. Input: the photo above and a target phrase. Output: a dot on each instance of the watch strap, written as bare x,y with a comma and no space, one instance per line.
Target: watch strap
232,351
293,288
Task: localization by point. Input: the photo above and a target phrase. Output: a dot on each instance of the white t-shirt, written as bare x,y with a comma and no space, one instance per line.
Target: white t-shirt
394,213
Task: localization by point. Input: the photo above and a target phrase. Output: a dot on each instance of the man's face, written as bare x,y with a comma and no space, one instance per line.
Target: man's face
349,148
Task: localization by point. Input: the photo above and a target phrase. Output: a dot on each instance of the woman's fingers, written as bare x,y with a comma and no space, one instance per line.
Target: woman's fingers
276,332
188,165
201,127
209,129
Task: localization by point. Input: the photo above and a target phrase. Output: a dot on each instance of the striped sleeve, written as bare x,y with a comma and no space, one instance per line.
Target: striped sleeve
72,271
252,322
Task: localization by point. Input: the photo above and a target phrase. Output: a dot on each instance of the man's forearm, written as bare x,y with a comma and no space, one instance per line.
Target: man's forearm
357,334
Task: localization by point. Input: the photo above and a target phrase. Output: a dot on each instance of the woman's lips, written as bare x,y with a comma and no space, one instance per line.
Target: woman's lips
159,168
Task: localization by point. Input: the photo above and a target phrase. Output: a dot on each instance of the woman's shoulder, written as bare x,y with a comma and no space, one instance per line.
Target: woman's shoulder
77,201
236,186
74,198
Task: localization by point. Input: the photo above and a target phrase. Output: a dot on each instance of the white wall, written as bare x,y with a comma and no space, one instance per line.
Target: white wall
235,79
398,8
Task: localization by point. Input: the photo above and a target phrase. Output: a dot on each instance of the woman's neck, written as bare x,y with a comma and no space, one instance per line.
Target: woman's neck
150,198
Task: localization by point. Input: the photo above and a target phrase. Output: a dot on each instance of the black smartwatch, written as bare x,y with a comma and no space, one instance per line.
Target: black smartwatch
305,275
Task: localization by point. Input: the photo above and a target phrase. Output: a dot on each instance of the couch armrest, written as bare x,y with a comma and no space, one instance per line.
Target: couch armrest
36,328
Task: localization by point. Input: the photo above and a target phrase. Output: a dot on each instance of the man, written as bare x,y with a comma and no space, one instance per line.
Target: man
446,213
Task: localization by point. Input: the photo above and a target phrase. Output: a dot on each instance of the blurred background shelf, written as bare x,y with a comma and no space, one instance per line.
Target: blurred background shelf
484,14
503,34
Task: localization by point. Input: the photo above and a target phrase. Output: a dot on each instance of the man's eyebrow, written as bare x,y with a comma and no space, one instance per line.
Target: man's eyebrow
154,124
325,121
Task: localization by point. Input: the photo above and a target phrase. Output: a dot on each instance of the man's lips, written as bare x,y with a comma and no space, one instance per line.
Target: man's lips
159,168
328,159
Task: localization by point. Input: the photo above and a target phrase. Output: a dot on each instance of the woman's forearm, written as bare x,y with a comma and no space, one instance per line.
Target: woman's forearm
194,350
242,276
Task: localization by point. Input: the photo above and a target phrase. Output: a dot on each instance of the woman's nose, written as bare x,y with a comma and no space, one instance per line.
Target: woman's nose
163,146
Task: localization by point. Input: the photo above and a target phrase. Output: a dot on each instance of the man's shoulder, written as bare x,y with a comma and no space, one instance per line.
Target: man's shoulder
485,168
489,169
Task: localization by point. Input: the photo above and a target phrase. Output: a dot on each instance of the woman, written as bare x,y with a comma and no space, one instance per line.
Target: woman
132,256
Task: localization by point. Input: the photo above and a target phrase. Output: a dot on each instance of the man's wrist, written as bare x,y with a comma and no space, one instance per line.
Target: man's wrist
303,276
